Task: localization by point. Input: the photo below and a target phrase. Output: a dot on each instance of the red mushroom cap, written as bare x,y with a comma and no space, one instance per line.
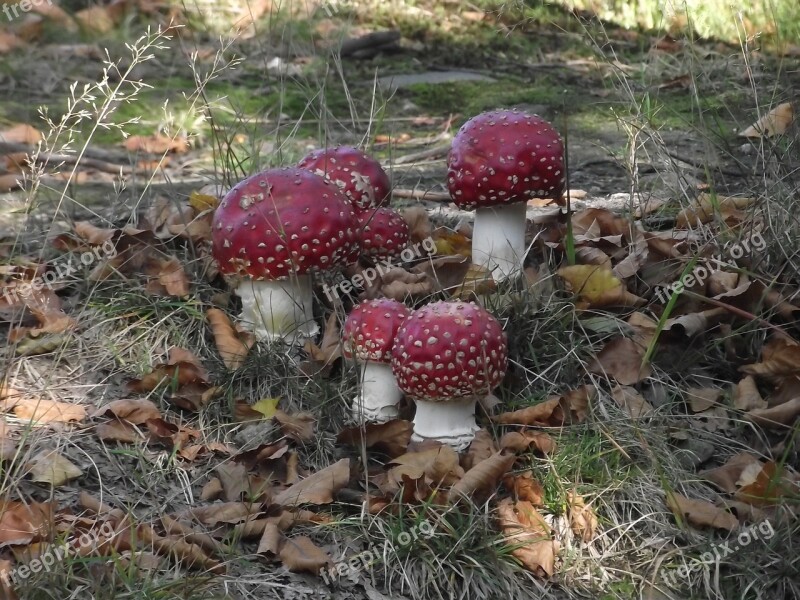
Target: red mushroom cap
449,350
383,233
370,329
283,221
505,156
360,177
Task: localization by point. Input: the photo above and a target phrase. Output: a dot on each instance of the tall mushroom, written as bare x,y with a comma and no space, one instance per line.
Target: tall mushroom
274,229
360,177
447,355
368,335
498,160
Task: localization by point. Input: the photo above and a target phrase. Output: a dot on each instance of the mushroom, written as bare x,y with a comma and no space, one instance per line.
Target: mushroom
383,233
498,160
274,229
368,335
447,356
361,178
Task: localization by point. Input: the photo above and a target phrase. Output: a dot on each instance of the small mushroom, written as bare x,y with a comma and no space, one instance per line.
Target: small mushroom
383,233
498,160
361,178
447,356
273,230
368,335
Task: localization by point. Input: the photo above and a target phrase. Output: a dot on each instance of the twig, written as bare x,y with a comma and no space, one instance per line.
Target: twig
742,313
433,152
421,195
67,159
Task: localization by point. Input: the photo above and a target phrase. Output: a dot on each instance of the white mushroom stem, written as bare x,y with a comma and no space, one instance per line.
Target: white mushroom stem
498,239
281,309
451,422
379,395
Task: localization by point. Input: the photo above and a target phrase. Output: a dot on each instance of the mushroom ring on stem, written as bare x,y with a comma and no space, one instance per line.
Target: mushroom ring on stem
368,335
498,160
447,356
273,230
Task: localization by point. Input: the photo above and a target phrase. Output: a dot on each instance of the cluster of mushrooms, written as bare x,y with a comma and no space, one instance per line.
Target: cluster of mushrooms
276,229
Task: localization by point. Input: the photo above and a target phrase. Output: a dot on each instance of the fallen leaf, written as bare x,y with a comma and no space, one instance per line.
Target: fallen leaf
776,417
707,206
438,466
51,467
726,476
330,347
115,430
22,524
182,368
701,399
528,535
582,519
598,286
48,411
701,513
419,224
632,401
390,438
202,202
271,540
156,144
481,481
765,484
775,122
6,566
746,395
133,410
299,426
525,487
480,448
188,555
232,344
318,488
622,359
227,512
523,441
549,413
779,358
21,133
300,554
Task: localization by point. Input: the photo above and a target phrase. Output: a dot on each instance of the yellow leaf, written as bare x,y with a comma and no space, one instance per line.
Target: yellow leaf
598,286
202,202
266,406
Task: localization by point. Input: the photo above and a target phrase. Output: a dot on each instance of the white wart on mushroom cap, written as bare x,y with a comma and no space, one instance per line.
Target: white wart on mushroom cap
446,356
274,229
368,336
498,160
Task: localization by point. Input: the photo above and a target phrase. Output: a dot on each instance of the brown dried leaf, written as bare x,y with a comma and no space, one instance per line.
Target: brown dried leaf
776,417
525,487
775,122
522,441
705,208
419,224
481,480
779,358
746,395
22,524
701,513
8,448
318,488
271,540
622,359
390,438
232,345
765,484
632,401
399,284
156,144
582,519
549,413
182,367
330,348
133,410
439,466
51,467
726,476
185,553
526,531
227,512
480,448
701,399
20,133
300,554
48,411
299,426
117,431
